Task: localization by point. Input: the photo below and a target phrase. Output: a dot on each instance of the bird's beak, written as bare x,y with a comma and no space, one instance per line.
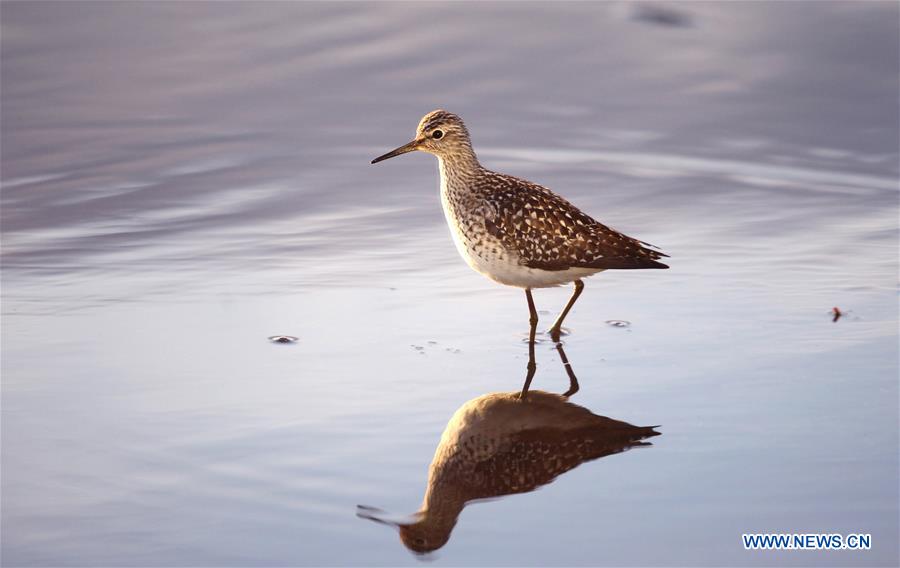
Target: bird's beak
382,517
409,147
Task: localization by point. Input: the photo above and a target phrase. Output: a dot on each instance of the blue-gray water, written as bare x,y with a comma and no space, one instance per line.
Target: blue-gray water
182,180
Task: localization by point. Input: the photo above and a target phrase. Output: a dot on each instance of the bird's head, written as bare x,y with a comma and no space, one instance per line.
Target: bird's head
422,532
425,535
440,133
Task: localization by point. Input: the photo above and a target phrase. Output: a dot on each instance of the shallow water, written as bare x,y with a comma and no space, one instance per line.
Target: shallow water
183,181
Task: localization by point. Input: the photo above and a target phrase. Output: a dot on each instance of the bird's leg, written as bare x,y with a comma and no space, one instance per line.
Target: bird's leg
533,320
557,326
573,380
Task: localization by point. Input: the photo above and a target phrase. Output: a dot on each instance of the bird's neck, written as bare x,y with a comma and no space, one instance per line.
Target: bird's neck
442,504
457,169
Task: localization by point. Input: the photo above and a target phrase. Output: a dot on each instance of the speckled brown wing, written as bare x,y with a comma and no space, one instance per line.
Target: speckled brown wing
532,458
549,233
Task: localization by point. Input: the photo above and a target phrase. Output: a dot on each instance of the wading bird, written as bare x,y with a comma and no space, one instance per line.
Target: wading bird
517,232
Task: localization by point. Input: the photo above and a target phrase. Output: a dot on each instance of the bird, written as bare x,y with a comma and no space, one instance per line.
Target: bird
497,445
517,232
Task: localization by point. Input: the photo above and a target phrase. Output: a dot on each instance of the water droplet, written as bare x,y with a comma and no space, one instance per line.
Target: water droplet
282,338
618,323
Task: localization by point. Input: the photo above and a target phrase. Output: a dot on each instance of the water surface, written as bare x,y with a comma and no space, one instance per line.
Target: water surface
181,181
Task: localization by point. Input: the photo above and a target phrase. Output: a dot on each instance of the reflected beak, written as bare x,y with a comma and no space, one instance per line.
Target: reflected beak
409,147
382,517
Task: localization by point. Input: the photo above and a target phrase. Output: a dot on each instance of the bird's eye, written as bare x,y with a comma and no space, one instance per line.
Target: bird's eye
437,134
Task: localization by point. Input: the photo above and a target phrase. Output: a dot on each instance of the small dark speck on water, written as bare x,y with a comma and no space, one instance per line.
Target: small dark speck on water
282,339
661,16
618,323
836,314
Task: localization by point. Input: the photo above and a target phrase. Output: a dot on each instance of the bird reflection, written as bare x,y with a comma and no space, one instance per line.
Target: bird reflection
502,444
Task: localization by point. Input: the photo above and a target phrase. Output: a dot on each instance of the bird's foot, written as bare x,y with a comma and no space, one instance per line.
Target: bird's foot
556,333
572,390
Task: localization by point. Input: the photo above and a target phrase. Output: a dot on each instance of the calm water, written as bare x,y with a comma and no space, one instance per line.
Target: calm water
183,180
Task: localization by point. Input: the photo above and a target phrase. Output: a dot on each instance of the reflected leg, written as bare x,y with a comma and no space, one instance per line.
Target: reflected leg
557,326
573,380
533,320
